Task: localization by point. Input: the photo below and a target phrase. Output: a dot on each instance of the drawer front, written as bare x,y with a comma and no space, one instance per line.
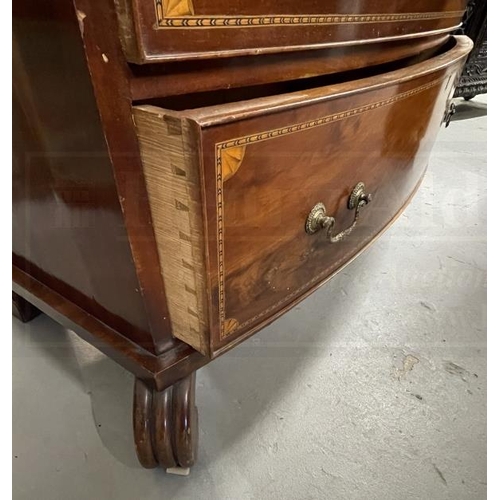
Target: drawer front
161,30
265,164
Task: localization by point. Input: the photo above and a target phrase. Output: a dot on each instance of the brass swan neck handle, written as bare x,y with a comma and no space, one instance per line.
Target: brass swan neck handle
317,218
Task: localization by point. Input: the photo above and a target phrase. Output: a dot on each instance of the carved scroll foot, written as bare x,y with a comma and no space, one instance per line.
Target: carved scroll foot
22,309
166,425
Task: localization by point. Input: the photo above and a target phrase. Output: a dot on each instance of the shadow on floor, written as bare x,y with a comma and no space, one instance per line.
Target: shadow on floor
232,392
469,109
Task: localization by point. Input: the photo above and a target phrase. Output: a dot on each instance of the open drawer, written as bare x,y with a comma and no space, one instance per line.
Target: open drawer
257,203
163,30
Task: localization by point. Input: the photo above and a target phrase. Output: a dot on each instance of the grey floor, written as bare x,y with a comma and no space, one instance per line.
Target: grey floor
373,388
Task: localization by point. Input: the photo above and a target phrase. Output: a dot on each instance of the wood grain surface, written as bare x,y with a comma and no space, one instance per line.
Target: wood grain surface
266,162
180,29
68,227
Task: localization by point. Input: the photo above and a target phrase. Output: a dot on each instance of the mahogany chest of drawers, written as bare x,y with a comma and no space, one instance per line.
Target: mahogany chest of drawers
186,171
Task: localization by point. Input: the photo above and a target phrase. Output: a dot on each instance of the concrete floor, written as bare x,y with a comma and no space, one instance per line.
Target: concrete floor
373,388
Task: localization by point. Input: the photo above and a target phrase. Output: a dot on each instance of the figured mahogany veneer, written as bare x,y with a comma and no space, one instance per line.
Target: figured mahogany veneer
231,187
161,30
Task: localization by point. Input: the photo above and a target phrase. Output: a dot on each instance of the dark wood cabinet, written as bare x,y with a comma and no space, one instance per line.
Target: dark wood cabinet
186,172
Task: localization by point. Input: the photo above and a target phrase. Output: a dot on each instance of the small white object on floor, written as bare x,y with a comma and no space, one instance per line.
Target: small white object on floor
178,471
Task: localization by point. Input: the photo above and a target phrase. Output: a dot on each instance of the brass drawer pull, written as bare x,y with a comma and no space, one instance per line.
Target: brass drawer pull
317,218
448,114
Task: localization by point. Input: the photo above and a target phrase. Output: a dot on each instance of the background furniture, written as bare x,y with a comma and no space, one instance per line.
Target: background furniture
473,80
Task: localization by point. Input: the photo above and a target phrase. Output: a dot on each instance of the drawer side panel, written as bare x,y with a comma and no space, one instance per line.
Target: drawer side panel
169,157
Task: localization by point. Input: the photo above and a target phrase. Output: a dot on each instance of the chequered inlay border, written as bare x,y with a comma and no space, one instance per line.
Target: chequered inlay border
191,21
264,136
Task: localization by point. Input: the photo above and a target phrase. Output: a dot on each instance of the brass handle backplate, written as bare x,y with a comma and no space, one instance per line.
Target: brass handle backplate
317,218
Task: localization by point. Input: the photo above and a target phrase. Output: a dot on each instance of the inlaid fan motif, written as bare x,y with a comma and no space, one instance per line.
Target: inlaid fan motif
231,160
173,8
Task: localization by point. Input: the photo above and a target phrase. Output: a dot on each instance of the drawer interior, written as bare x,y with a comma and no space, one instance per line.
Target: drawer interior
233,95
